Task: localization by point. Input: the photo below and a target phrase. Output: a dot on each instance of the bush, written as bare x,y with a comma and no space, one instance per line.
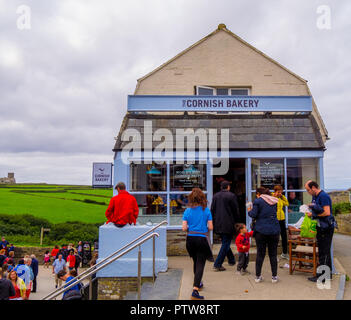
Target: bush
343,207
26,229
74,231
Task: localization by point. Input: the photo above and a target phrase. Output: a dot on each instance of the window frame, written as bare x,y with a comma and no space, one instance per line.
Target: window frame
229,90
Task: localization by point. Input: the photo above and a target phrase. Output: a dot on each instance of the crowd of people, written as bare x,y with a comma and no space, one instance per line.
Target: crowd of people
17,281
268,226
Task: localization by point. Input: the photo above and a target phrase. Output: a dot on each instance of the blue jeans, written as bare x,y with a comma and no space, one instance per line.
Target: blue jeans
225,251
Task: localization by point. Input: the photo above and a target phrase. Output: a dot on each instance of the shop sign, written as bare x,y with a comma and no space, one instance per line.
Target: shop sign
102,175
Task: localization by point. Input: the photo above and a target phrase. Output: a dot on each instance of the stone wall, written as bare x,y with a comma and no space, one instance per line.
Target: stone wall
340,196
117,288
344,223
39,252
176,243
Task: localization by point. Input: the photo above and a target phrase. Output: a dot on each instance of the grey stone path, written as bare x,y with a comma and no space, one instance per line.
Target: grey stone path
342,251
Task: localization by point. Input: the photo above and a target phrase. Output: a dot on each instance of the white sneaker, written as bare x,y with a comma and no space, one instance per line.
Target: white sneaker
284,256
275,279
258,279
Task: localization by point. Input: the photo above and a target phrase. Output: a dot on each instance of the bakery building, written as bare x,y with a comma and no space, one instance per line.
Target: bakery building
220,109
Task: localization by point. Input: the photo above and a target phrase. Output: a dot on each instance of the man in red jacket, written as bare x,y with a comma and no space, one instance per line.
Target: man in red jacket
123,208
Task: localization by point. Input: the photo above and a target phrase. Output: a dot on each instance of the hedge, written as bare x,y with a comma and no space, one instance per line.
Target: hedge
26,228
343,207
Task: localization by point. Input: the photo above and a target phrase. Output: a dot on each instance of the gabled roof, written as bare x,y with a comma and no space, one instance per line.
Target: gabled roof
221,28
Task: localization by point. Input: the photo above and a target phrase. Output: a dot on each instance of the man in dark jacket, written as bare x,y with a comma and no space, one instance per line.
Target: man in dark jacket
35,267
225,213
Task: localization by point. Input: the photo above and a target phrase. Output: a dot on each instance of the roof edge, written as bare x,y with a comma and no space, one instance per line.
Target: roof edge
221,27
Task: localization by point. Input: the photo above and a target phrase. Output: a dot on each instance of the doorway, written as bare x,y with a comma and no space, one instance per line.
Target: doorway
235,175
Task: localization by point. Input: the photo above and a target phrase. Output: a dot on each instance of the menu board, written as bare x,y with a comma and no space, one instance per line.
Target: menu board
270,174
187,177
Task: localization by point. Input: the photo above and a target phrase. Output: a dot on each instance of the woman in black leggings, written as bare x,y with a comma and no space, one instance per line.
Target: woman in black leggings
197,221
267,231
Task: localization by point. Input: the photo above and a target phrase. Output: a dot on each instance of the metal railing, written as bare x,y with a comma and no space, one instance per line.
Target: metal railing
111,258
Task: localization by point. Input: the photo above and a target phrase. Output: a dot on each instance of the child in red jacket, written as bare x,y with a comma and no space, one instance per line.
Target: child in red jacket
242,242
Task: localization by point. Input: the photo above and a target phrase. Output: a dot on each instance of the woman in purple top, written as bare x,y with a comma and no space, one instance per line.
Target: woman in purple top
197,222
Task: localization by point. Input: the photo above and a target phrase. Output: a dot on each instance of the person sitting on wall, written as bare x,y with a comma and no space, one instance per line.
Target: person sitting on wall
123,208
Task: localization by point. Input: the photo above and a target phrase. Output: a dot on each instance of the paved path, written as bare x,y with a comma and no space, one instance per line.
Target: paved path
342,251
226,285
46,283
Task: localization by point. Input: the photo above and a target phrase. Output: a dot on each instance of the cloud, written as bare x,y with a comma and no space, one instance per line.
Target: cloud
64,82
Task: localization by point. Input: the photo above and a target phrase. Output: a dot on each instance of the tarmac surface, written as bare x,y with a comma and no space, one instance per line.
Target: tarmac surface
342,251
226,285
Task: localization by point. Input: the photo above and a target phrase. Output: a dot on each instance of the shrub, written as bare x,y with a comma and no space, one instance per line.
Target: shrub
343,207
26,229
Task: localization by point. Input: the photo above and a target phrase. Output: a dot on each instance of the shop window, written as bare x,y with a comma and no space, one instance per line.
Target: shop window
299,171
178,204
267,173
148,177
185,177
151,204
296,199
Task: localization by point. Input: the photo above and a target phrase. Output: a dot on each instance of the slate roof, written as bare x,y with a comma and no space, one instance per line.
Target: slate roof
246,132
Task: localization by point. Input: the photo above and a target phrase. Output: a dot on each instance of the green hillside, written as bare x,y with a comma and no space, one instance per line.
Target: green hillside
56,203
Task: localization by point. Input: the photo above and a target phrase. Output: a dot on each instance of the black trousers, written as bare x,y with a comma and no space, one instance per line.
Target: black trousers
284,236
243,261
199,251
262,242
324,240
34,288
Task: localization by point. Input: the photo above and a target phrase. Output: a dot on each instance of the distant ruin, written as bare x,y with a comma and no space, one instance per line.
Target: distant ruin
9,180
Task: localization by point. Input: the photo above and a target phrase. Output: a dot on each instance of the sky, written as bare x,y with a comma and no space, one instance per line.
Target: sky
67,66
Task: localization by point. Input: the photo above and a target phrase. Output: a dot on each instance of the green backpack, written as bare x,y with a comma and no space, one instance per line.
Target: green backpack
308,228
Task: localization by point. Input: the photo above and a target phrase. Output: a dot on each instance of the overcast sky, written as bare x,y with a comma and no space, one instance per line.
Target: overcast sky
64,82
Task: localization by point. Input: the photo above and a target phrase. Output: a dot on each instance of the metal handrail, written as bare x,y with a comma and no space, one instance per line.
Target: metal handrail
61,290
111,255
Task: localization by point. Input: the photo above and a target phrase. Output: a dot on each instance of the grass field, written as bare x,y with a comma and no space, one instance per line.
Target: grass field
56,203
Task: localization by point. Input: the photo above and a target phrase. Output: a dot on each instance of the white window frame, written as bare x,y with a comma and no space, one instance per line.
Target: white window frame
229,89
